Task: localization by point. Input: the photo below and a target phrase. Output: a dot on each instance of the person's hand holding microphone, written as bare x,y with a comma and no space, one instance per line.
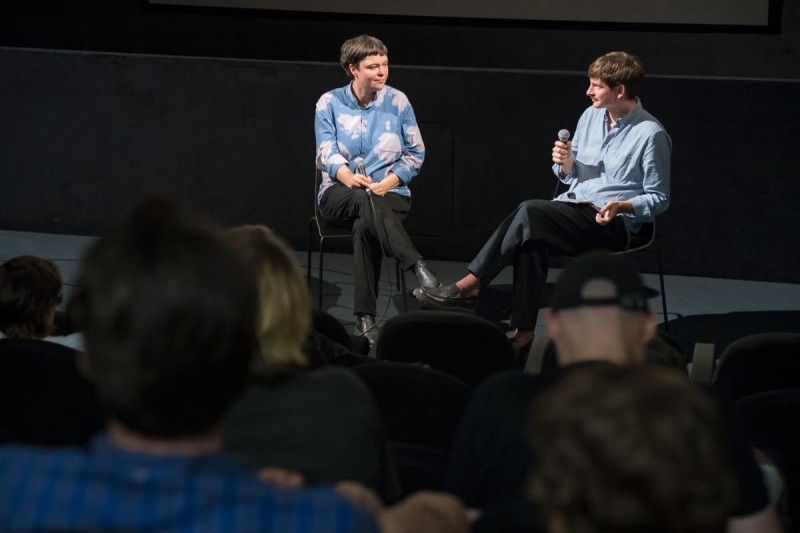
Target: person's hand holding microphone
361,178
376,187
562,152
354,180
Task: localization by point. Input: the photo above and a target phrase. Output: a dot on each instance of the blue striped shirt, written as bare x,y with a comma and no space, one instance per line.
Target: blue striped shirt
109,489
385,134
630,162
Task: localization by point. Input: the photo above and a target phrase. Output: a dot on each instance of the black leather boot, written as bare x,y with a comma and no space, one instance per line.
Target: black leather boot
365,325
425,276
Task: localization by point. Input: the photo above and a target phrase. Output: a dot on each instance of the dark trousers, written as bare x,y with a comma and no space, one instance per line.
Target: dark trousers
350,208
534,232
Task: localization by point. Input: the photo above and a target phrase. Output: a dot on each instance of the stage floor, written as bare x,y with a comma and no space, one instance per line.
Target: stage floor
700,309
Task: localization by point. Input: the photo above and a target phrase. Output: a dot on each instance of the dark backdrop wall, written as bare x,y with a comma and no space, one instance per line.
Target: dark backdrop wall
216,107
133,26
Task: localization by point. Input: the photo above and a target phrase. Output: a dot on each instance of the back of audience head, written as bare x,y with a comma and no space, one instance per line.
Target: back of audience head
630,449
168,311
284,318
662,350
30,290
599,311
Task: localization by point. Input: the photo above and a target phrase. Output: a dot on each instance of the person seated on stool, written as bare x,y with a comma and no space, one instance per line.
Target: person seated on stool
371,120
617,167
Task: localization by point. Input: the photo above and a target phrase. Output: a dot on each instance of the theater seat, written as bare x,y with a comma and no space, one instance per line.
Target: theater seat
43,398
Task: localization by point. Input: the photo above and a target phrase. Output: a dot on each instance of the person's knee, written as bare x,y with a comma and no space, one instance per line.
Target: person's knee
534,212
526,211
534,204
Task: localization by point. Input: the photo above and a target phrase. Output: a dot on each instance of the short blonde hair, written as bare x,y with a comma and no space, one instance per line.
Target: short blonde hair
284,317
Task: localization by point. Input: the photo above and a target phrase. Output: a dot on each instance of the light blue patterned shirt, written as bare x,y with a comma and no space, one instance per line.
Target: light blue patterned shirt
385,134
630,162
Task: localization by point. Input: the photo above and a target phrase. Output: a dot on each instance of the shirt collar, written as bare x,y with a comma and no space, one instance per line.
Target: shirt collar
351,97
637,108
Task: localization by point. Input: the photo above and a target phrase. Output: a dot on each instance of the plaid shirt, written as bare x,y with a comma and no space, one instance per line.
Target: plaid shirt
109,489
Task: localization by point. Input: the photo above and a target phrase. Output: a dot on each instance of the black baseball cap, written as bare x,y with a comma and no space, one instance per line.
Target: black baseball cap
601,278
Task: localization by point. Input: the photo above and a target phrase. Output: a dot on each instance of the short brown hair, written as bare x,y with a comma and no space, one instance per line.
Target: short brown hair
168,312
627,449
30,288
619,68
354,50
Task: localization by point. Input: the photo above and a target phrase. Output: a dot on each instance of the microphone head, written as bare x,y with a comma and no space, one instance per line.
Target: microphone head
359,161
563,135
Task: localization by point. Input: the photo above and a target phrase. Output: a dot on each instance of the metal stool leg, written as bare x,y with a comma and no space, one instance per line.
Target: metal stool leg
663,291
321,254
308,259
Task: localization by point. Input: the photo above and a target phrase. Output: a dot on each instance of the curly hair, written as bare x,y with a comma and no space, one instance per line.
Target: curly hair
628,449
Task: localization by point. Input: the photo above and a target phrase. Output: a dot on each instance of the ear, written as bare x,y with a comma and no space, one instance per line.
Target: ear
649,327
622,91
353,69
50,318
555,329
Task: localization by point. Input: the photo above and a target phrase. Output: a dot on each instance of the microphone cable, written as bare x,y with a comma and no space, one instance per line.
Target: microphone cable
359,162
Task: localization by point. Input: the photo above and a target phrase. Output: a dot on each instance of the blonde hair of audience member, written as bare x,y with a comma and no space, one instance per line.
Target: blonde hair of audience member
629,449
284,318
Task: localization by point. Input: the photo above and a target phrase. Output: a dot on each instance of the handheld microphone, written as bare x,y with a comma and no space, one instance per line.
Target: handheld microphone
359,162
563,136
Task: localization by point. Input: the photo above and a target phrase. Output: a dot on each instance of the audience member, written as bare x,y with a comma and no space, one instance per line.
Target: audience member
599,314
661,350
321,423
44,399
664,351
30,291
630,449
168,313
